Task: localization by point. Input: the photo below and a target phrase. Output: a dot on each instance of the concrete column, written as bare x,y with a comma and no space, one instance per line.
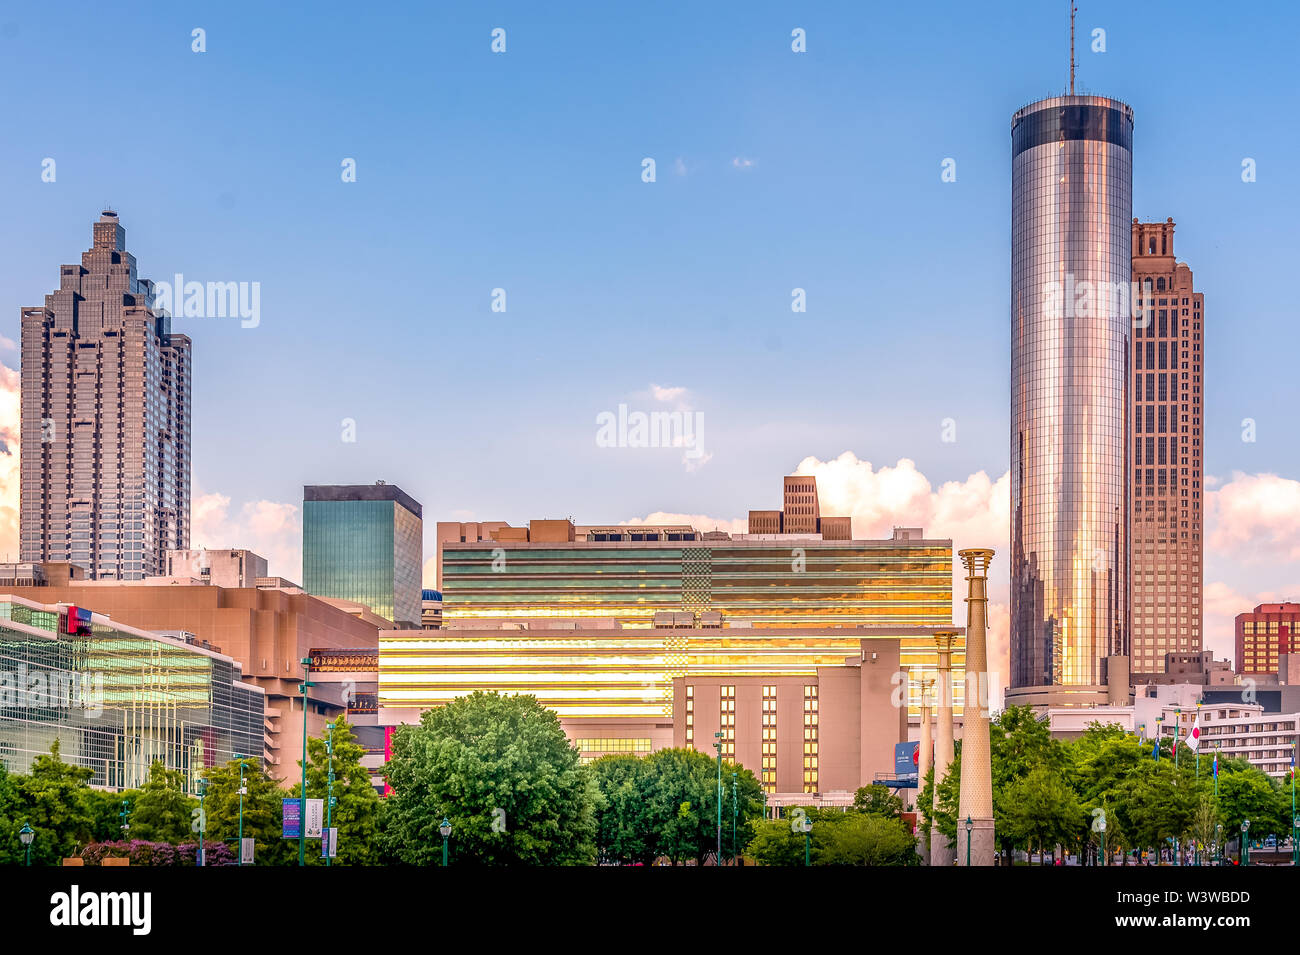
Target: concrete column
976,766
942,851
925,757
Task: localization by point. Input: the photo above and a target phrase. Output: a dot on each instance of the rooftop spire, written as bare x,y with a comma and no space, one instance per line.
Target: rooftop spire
1073,10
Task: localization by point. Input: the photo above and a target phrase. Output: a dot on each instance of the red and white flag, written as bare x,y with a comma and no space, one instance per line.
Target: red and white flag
1194,737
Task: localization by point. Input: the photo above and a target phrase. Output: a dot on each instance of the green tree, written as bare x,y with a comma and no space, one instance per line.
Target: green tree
1104,762
878,801
682,793
1204,823
501,770
263,812
1042,809
859,838
626,829
11,849
161,811
1245,792
775,843
1161,802
55,800
357,803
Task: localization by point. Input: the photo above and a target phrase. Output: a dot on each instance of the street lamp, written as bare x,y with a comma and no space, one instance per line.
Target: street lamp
203,823
302,796
243,791
329,801
735,808
445,829
123,815
1101,827
1218,841
1295,848
25,835
1245,842
807,841
717,744
970,824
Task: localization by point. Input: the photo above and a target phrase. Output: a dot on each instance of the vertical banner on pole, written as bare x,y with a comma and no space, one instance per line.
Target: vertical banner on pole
315,821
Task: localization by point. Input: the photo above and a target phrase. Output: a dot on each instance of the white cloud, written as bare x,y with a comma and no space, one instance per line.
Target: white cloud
973,513
665,393
702,522
10,487
272,529
1255,518
679,167
740,162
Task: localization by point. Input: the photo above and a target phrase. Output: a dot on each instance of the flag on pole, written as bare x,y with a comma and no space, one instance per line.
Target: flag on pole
1194,737
1155,750
1216,764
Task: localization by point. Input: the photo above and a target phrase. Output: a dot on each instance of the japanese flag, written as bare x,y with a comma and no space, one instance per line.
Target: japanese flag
1194,737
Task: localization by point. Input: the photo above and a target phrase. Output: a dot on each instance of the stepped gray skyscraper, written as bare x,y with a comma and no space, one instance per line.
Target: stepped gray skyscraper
105,419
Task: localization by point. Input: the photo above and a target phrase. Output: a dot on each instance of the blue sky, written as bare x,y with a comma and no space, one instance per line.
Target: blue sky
522,171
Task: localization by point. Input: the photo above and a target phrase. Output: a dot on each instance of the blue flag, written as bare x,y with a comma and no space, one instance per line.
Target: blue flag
1155,750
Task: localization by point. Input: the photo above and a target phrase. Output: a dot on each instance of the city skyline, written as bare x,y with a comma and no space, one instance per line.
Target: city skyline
508,388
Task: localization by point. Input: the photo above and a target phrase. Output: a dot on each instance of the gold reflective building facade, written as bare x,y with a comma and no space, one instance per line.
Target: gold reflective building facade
1071,265
598,628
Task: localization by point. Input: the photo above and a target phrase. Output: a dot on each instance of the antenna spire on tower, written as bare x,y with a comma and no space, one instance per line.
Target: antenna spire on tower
1073,10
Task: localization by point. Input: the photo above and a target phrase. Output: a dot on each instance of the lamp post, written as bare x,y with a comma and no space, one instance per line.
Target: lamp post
445,830
807,841
1245,842
302,795
203,822
1295,831
25,835
1218,841
1101,827
123,815
735,809
243,791
329,792
717,744
970,824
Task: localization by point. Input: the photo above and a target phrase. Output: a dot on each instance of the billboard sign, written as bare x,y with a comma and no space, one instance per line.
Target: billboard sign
291,828
906,756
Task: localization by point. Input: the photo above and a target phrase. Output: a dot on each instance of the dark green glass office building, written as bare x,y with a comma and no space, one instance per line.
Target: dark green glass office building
365,543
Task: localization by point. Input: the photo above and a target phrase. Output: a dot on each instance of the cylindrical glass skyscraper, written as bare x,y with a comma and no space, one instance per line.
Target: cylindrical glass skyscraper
1071,268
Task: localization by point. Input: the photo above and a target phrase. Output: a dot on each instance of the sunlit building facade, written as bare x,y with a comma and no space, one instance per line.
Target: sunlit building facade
890,585
365,543
1071,269
117,699
635,690
1263,636
1168,452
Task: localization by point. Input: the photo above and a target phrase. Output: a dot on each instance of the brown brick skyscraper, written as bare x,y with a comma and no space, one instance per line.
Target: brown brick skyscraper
105,420
1168,452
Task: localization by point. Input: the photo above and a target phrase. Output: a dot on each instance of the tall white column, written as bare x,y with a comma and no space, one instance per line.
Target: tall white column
942,851
975,818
